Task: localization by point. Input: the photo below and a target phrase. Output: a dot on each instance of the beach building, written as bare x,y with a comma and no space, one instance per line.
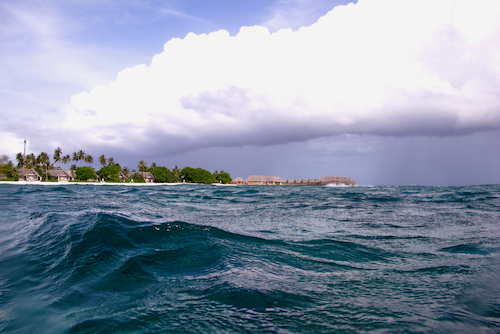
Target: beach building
29,175
122,176
276,180
61,175
301,182
264,180
238,181
147,176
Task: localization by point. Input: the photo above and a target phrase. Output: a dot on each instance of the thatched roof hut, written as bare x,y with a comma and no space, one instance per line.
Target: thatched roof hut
263,180
29,174
61,175
237,180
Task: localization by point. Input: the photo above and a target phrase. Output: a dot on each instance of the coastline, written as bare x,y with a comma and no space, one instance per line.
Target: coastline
149,184
35,183
89,183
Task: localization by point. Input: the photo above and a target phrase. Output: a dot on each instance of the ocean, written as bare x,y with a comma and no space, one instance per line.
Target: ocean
249,259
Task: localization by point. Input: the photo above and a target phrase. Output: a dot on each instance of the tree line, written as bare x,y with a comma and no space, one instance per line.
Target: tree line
110,171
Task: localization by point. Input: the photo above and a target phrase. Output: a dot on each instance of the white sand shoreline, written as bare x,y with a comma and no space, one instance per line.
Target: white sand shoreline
34,183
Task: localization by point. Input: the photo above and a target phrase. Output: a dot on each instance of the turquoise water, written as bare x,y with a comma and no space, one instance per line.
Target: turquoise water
197,259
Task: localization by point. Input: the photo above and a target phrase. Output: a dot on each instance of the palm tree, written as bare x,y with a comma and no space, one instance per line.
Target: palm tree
30,160
177,172
111,161
57,155
44,160
20,160
142,166
81,155
89,159
153,165
66,159
126,171
75,157
102,160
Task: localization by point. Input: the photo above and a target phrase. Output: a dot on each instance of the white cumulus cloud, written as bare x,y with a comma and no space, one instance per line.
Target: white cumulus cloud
382,67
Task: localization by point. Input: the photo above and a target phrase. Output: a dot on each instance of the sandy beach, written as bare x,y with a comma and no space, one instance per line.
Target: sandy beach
20,183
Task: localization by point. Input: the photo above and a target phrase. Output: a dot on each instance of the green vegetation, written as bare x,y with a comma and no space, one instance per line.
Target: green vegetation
7,170
57,155
42,165
142,166
85,173
222,177
109,172
197,175
137,178
163,174
102,160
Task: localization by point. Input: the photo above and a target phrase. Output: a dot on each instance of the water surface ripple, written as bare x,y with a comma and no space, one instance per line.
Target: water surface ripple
193,258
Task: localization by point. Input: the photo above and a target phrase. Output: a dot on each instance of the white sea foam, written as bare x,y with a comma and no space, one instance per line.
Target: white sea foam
337,185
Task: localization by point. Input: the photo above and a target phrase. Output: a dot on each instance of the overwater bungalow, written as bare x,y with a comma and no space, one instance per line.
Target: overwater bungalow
276,180
264,180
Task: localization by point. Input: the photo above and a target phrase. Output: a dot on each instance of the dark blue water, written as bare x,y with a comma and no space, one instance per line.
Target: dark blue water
196,259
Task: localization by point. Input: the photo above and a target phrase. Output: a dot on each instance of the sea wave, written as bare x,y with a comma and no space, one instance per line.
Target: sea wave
82,259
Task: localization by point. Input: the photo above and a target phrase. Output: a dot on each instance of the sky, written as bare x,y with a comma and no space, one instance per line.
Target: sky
388,92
